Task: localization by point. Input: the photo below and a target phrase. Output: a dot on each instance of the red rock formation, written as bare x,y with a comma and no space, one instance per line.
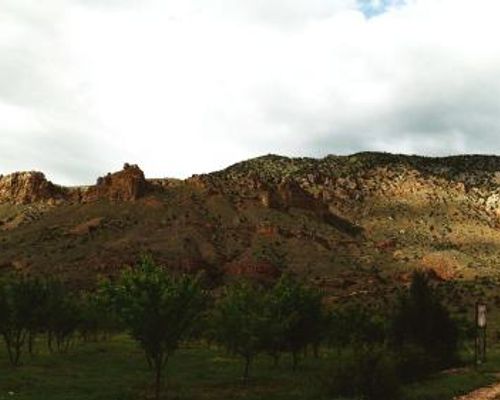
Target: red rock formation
248,267
28,187
128,184
32,187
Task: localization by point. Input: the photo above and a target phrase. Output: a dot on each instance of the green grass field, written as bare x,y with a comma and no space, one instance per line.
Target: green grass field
116,370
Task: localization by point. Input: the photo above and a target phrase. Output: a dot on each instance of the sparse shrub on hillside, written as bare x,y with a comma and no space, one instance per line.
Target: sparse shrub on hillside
271,252
158,309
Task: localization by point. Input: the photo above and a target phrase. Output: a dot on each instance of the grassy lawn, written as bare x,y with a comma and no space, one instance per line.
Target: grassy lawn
116,370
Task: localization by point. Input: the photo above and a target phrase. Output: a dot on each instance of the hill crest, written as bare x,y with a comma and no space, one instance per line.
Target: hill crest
336,220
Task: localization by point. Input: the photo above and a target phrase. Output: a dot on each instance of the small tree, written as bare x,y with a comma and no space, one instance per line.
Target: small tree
38,292
157,308
356,326
422,320
97,322
62,316
296,313
240,321
18,314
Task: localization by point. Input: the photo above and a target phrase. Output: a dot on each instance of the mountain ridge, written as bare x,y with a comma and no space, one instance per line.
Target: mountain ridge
350,224
38,181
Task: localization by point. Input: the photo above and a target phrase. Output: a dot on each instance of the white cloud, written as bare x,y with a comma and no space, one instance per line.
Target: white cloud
182,87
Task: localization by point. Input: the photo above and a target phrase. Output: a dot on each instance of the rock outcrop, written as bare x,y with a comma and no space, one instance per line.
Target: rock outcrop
28,187
247,266
129,184
31,187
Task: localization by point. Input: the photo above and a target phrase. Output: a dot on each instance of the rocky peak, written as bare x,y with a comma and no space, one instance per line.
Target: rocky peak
27,187
129,184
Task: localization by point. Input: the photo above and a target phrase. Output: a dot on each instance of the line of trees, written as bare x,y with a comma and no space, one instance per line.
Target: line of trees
32,307
160,310
285,318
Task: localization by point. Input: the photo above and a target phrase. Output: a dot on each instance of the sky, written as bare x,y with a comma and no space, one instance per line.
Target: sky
191,86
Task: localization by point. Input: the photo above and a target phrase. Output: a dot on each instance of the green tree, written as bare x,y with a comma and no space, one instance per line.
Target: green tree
296,316
240,321
356,326
157,308
97,320
19,313
422,320
62,315
38,293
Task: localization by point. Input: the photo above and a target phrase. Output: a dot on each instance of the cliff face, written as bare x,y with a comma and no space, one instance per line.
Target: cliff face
32,187
129,184
28,187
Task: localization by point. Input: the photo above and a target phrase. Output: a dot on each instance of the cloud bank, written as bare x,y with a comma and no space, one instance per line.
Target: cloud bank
189,86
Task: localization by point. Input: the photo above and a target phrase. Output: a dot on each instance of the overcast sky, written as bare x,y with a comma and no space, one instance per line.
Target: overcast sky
191,86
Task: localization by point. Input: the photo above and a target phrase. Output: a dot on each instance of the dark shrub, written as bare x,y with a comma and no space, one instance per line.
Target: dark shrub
421,320
414,363
368,374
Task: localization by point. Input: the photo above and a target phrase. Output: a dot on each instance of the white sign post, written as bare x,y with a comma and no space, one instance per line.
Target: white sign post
480,333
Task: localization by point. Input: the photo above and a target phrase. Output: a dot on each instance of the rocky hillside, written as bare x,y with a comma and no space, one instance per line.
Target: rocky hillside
351,224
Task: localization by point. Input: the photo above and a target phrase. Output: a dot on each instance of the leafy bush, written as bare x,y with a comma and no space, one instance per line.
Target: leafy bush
414,363
367,374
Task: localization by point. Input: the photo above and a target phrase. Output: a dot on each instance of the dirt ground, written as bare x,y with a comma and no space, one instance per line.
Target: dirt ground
487,393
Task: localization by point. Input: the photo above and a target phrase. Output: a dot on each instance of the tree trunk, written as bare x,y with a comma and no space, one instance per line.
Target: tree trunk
276,358
9,348
248,360
17,353
150,363
316,350
49,342
31,343
295,358
158,381
159,363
